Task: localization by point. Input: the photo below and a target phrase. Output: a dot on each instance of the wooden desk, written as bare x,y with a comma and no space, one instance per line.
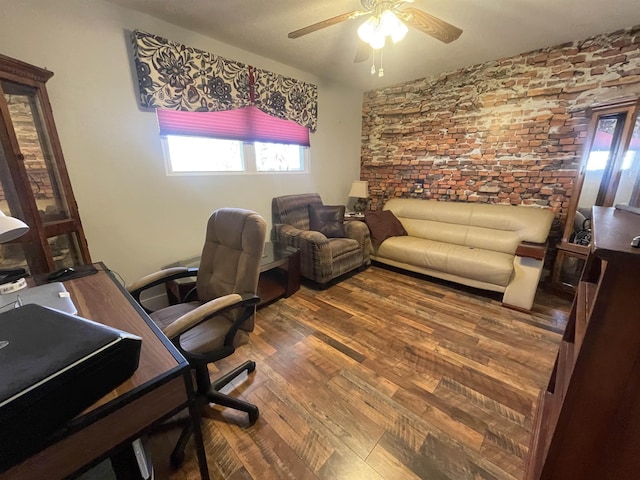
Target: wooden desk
160,387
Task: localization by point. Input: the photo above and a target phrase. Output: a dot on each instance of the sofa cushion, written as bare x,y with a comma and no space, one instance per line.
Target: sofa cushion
474,263
382,225
328,220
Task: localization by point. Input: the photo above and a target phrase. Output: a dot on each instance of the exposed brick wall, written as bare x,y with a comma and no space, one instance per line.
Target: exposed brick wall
506,131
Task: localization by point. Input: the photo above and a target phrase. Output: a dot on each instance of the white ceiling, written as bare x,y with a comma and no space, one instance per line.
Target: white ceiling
492,29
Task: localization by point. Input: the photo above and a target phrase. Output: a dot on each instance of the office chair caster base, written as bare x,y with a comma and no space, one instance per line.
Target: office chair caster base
254,413
223,381
177,455
176,460
250,409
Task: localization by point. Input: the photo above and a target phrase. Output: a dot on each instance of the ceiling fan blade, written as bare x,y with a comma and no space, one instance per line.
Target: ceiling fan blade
327,23
439,29
362,53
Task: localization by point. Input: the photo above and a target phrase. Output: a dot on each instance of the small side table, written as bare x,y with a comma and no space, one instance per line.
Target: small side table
348,217
568,266
279,272
279,275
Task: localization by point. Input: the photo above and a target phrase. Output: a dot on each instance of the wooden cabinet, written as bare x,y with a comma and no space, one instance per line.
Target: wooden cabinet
34,184
587,424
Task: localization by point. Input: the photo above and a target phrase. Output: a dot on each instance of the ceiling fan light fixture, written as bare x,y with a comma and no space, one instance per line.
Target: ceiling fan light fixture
367,29
377,40
386,18
392,26
400,32
377,27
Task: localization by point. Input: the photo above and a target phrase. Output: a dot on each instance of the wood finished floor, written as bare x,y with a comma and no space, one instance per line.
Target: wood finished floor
383,376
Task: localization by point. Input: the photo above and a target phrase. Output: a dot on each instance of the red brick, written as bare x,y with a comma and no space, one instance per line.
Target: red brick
431,130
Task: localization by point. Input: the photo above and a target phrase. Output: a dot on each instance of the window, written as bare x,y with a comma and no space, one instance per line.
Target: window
200,154
244,140
612,160
189,155
278,157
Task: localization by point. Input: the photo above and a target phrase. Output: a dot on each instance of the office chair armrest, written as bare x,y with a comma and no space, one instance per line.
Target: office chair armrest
207,310
158,278
249,302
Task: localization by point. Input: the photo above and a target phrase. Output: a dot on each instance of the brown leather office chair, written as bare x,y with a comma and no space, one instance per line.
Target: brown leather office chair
220,320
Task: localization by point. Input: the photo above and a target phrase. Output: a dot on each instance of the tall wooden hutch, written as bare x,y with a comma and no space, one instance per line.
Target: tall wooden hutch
34,184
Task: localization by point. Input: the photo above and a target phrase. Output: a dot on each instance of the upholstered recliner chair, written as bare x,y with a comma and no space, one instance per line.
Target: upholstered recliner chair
344,246
213,326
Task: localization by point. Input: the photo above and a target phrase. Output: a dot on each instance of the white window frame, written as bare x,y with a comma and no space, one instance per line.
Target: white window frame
248,162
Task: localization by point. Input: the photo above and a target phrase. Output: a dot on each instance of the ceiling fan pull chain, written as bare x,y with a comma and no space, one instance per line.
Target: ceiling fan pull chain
381,70
373,59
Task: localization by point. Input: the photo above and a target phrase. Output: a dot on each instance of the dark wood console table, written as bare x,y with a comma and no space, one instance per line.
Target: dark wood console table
279,275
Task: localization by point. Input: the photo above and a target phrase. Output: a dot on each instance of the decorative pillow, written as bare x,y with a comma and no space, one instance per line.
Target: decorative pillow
382,225
327,219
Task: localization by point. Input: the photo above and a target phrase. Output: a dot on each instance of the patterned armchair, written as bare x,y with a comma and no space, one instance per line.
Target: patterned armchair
321,259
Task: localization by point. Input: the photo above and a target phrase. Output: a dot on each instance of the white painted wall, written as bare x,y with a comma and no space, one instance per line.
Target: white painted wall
137,218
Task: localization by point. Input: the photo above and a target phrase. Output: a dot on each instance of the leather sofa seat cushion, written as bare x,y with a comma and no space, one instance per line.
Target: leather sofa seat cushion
468,262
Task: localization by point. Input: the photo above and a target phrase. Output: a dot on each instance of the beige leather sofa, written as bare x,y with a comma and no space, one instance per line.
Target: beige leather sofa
493,247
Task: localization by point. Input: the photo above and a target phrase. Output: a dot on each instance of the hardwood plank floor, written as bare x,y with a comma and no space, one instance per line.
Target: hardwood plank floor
383,376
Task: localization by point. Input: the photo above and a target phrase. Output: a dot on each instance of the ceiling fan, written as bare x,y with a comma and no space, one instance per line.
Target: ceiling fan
387,18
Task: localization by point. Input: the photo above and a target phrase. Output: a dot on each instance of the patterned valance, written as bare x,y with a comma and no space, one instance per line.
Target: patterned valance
176,77
285,97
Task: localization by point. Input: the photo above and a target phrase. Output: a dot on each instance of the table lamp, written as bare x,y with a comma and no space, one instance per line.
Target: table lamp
360,190
10,229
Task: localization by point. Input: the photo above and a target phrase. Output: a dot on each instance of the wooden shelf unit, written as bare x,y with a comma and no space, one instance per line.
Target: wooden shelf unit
587,423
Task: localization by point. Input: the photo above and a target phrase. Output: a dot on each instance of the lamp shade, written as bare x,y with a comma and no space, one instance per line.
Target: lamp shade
359,189
11,228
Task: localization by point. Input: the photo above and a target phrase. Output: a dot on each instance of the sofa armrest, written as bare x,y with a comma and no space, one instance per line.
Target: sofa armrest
532,250
315,251
356,230
527,269
294,237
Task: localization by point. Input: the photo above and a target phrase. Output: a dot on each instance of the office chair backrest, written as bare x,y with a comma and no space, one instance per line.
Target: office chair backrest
231,255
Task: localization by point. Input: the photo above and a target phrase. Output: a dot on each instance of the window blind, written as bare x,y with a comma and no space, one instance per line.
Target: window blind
248,124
